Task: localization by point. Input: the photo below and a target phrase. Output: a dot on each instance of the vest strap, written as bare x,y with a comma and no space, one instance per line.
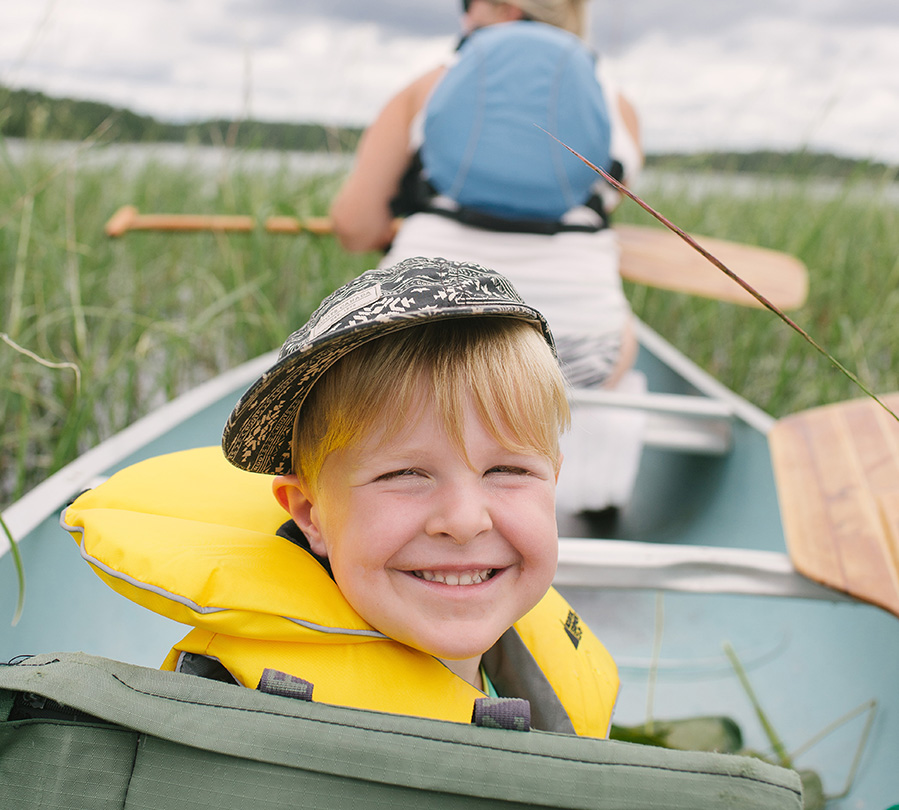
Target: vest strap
275,682
416,195
490,222
512,714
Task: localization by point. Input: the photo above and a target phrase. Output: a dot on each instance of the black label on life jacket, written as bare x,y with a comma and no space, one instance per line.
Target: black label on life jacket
573,628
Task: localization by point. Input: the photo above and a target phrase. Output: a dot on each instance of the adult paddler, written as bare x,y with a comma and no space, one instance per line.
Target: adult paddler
462,153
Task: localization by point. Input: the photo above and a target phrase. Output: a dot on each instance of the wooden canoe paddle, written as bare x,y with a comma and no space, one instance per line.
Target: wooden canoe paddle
651,256
837,474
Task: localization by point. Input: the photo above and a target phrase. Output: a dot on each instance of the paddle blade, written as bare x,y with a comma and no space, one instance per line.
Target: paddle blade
660,258
837,473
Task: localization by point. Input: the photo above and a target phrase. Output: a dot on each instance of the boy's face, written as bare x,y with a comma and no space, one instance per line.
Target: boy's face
435,553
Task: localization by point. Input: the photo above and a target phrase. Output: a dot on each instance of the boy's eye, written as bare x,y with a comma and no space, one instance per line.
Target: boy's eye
509,469
397,474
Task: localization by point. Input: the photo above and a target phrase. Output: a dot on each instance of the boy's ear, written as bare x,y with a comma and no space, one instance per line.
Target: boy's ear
295,497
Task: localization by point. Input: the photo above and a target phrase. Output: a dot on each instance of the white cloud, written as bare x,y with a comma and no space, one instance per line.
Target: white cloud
757,81
177,61
341,75
771,83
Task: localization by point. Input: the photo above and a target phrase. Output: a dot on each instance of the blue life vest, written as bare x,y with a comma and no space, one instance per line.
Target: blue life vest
482,145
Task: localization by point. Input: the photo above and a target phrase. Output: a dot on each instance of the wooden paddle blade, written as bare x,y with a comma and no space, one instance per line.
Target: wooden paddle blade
837,473
660,258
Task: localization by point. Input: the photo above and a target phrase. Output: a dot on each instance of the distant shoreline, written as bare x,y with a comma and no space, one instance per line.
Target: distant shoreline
190,156
33,116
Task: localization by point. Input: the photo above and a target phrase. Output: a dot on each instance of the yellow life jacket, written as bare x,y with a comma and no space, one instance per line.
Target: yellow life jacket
193,538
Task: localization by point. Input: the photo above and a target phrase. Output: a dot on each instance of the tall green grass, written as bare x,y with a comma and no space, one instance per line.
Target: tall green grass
142,318
847,234
102,331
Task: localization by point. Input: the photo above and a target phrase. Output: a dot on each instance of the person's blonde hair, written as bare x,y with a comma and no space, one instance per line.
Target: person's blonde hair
502,365
571,15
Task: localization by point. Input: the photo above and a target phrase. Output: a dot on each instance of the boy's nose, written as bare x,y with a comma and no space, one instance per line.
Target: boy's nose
460,513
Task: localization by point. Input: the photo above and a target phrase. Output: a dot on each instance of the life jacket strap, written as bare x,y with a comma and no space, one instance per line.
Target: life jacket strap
275,682
489,222
416,195
512,714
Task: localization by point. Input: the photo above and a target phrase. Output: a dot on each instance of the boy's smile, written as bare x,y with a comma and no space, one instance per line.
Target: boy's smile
436,551
465,578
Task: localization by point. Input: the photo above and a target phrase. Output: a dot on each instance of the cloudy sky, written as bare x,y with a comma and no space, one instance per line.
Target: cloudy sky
707,74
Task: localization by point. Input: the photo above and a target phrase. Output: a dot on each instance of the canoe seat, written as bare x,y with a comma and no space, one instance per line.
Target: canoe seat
687,424
608,564
837,474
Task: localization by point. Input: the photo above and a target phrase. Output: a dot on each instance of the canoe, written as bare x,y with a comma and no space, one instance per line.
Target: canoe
696,560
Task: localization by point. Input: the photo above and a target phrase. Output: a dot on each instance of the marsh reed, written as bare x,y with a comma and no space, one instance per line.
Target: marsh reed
99,332
848,236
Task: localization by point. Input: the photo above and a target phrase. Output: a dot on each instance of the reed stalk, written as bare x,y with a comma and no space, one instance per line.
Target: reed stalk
18,281
73,278
20,571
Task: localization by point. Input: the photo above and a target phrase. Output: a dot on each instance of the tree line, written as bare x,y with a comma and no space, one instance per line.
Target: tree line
800,163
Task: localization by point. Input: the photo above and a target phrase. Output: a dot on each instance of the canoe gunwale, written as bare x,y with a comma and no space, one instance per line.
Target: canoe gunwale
742,409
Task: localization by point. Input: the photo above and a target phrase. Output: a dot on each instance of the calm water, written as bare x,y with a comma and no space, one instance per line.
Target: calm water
211,158
216,159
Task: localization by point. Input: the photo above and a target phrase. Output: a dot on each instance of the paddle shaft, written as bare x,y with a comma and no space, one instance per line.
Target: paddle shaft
649,256
128,218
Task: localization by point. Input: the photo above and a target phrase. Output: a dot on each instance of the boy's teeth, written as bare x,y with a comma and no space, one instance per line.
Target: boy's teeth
464,578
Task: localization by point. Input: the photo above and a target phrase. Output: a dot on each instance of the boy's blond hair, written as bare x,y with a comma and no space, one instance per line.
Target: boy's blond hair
503,366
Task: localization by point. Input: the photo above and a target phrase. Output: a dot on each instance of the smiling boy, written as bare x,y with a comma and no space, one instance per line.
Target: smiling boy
413,428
